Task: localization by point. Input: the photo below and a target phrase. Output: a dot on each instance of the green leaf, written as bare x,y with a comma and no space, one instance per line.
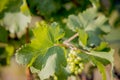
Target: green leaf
38,60
39,44
25,54
100,23
55,32
10,51
105,55
73,23
34,70
83,36
32,53
85,57
3,4
16,23
106,28
62,74
13,5
52,62
103,61
89,20
9,6
87,16
95,3
82,20
102,46
101,68
3,55
93,39
24,8
52,34
41,39
45,8
3,35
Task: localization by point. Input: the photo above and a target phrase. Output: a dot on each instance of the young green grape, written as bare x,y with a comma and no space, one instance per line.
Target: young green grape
74,62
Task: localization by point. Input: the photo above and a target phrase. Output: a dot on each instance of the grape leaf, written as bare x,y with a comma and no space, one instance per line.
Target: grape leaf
2,57
44,7
24,55
62,74
52,61
89,20
32,53
101,68
93,39
34,70
83,36
37,47
103,61
13,5
87,16
24,8
73,23
82,20
100,23
16,22
6,52
3,35
41,39
37,61
9,6
2,4
55,32
10,51
105,55
102,46
95,3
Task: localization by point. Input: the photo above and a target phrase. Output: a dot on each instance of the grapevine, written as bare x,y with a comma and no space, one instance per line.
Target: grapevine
67,35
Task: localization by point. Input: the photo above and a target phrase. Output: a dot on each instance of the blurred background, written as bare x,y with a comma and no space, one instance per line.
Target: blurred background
17,17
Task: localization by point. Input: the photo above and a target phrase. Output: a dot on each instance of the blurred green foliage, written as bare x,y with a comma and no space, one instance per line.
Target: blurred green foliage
64,12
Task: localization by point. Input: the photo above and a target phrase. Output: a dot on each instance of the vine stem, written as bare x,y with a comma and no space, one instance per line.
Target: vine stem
27,35
28,72
71,38
67,44
83,76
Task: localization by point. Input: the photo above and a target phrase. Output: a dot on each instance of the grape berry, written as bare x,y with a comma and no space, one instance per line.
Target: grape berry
74,62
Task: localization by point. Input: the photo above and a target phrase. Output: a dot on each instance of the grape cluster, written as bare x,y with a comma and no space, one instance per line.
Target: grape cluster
74,63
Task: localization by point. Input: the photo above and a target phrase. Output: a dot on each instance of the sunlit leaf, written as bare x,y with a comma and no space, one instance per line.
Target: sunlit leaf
105,55
83,36
95,3
16,22
55,32
24,8
3,4
101,68
73,23
32,53
10,52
